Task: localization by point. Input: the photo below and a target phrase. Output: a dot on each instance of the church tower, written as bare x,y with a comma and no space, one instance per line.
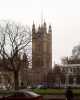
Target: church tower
41,47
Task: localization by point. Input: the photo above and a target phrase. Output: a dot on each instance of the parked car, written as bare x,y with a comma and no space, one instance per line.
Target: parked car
23,95
29,87
39,86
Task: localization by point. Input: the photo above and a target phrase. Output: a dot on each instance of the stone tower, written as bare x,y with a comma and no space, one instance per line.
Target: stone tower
41,47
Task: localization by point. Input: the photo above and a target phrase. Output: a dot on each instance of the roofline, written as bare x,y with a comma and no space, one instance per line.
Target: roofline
71,65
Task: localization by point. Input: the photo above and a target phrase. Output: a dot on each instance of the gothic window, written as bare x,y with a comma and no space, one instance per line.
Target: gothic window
39,61
39,35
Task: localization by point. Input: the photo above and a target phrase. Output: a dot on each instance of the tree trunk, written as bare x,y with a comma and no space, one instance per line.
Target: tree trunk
16,80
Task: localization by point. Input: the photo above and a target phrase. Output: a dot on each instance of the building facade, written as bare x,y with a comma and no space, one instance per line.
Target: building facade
72,74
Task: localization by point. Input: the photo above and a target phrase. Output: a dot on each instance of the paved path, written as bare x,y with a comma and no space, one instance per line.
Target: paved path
58,97
54,97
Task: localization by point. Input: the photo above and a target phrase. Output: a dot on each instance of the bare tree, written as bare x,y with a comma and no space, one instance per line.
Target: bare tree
14,38
57,74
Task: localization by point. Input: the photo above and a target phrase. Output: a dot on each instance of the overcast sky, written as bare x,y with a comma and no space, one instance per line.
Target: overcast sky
63,15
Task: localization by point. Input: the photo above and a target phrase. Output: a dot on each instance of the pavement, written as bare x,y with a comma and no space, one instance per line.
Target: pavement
54,97
58,97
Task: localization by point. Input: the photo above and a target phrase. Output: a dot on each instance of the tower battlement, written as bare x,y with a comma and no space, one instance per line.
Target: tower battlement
41,28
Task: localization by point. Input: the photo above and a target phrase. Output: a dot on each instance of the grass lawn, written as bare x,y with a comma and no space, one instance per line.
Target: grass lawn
54,91
47,91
